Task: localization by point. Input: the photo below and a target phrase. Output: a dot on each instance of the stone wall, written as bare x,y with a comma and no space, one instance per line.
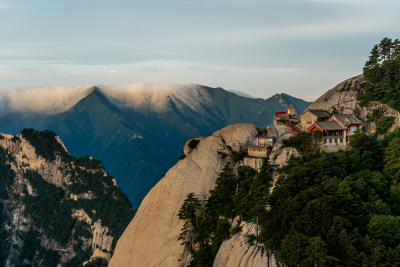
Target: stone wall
254,163
258,152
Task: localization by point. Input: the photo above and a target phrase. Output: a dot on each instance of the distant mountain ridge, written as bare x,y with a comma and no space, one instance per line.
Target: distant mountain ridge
137,138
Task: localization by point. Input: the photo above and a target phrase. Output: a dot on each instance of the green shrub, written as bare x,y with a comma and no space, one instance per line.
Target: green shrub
193,143
383,124
305,142
88,162
238,156
236,229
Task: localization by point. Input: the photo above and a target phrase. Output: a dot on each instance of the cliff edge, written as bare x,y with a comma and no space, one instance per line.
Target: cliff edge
151,238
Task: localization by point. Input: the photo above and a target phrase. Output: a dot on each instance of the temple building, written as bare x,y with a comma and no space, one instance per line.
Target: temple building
291,110
336,131
261,146
310,116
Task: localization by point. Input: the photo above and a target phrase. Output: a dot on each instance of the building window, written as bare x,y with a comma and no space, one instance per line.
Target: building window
324,141
330,140
336,140
341,140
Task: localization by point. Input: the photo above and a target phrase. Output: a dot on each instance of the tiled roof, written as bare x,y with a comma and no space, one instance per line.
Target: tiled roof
329,125
347,119
320,113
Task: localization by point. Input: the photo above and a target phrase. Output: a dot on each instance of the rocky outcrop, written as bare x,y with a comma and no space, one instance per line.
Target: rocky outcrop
242,251
102,239
151,239
343,98
276,131
276,149
26,157
51,183
284,155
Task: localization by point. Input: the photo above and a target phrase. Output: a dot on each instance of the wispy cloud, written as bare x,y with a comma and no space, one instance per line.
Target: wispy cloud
318,30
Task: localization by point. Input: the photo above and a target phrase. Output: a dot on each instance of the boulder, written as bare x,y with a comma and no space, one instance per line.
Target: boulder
284,155
241,251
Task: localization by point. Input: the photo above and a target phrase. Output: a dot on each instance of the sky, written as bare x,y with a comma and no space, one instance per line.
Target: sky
261,47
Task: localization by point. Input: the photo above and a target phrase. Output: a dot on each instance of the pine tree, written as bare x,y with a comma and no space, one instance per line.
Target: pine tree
317,253
382,70
392,157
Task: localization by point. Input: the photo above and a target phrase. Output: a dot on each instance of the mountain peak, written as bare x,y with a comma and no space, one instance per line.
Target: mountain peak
95,89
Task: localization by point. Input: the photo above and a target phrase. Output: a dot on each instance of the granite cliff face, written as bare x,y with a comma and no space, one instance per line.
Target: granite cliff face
50,203
343,98
151,239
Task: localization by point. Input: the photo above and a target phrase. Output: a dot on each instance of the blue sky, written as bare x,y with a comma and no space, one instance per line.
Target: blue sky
302,47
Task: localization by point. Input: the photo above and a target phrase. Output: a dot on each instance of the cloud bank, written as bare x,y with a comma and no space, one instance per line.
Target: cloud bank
53,100
42,100
156,96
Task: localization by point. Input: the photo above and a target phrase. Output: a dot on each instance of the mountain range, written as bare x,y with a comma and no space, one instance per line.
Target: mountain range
138,133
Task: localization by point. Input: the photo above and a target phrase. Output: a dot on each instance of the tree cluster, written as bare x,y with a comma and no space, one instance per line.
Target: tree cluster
305,142
338,209
382,122
45,144
382,72
242,193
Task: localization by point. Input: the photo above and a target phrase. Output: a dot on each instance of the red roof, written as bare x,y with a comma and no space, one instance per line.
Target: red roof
280,113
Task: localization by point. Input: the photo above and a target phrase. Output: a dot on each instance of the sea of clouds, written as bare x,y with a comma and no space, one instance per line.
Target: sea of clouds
52,100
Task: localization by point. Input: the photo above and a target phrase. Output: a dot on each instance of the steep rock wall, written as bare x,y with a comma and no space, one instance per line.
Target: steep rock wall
18,218
151,237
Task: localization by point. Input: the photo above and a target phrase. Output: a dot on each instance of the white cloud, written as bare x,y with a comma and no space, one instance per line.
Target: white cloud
41,100
156,96
51,100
